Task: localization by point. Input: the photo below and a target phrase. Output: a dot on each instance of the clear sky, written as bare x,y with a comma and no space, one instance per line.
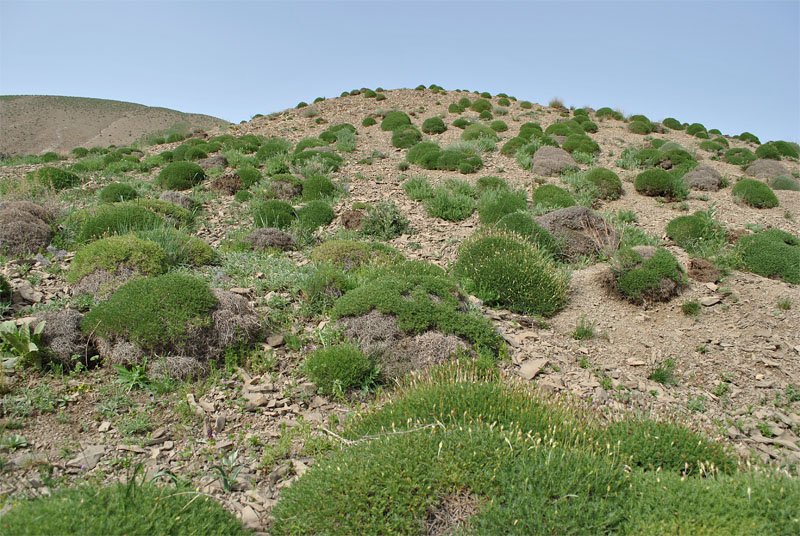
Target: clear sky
729,65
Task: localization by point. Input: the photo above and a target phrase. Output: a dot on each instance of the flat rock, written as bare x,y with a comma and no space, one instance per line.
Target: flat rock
88,458
708,301
530,368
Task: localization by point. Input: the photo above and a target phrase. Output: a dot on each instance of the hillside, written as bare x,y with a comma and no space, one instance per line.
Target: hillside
35,124
255,330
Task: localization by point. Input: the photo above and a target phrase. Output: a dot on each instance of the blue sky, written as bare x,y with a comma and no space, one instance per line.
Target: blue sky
729,65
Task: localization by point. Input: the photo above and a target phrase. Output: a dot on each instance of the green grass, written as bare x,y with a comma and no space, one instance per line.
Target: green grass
664,373
448,205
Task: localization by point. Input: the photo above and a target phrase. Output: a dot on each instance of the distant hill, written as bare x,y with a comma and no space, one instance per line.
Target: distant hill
34,124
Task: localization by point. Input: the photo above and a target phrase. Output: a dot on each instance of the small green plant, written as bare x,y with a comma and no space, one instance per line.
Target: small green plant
228,470
273,213
418,188
691,308
664,373
394,120
771,253
180,176
739,156
384,221
785,303
657,182
640,280
133,377
108,254
494,203
448,205
21,343
755,193
584,330
697,404
337,369
116,191
315,214
56,178
550,195
433,125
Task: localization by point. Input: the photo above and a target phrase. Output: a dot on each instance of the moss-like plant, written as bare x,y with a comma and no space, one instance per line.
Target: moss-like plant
273,213
656,278
154,312
674,124
657,182
771,253
480,106
749,136
711,146
338,369
522,224
740,156
640,127
755,193
550,195
529,130
784,182
608,183
180,176
499,126
273,147
368,121
768,151
513,145
404,137
350,255
317,187
695,128
395,119
454,108
113,219
433,125
477,130
315,214
786,149
420,303
503,270
56,178
697,232
579,143
493,204
117,191
141,256
526,105
248,175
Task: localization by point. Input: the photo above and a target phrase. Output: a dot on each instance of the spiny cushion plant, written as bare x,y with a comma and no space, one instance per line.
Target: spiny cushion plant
433,125
56,178
117,191
523,224
339,368
696,232
499,126
315,214
117,218
477,130
418,188
384,221
326,161
180,176
739,156
273,147
404,137
368,122
528,130
640,127
671,122
640,280
695,128
349,255
504,270
768,151
711,146
153,312
181,248
657,182
579,143
420,303
771,253
273,213
607,182
249,175
755,193
493,204
481,105
395,119
786,149
307,143
513,145
784,182
749,136
448,205
454,108
550,195
108,254
317,187
121,508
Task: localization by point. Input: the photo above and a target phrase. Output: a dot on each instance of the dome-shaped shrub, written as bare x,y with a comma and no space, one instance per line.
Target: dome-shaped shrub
506,271
579,143
559,129
315,214
640,127
461,123
79,152
395,119
454,108
5,291
657,182
740,156
368,122
481,105
690,231
273,213
495,203
339,368
475,131
784,182
755,193
485,115
503,101
116,218
433,125
648,157
405,137
786,148
117,191
748,136
671,122
56,178
771,253
513,145
180,176
424,154
526,105
273,147
769,151
249,175
490,183
694,128
607,182
522,224
711,146
656,278
108,254
499,126
550,195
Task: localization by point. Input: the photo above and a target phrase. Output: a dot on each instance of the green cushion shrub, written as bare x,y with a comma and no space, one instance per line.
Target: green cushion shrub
461,123
513,145
273,147
722,141
180,176
528,130
350,255
476,130
786,149
506,271
368,122
694,231
117,191
526,105
433,125
420,302
499,126
559,129
249,175
694,128
464,102
317,187
590,126
648,156
579,143
418,188
153,312
175,137
327,161
784,182
338,369
550,195
448,205
118,509
56,178
605,112
657,182
490,183
503,101
768,151
640,127
654,279
454,108
674,124
243,196
181,248
307,143
142,256
755,193
608,183
493,204
384,221
740,156
5,291
748,136
771,253
273,213
116,218
315,214
523,224
481,105
395,119
711,146
405,137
